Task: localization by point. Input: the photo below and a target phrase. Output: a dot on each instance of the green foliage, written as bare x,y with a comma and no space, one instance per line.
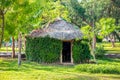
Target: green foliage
77,7
5,4
99,68
44,50
99,51
87,31
106,26
113,10
52,10
87,11
47,50
104,65
26,15
99,39
81,52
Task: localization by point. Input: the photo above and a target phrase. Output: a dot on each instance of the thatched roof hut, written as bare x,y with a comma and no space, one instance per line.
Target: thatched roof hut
59,29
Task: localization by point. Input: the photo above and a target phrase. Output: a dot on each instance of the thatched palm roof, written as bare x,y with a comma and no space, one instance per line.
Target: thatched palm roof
59,29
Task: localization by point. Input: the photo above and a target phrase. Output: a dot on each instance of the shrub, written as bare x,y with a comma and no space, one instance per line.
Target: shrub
98,68
99,51
81,52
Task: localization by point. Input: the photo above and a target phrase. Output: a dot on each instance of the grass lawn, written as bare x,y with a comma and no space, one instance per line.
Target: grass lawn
9,49
33,71
4,49
109,49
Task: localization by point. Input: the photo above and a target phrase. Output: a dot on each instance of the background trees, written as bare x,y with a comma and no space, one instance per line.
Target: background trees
5,6
105,27
93,16
89,11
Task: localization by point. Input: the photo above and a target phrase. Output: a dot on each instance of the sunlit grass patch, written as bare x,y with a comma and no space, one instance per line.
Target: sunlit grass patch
9,70
112,48
109,44
109,49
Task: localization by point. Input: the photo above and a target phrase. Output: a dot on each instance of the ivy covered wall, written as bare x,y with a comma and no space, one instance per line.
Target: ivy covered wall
43,50
47,50
81,52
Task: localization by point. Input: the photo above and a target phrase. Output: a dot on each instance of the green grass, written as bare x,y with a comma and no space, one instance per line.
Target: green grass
4,49
9,70
9,49
109,44
112,49
109,49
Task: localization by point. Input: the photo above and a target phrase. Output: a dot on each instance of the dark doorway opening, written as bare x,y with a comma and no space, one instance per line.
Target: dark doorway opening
66,52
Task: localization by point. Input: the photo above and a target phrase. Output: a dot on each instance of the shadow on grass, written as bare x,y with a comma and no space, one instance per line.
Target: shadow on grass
11,65
63,71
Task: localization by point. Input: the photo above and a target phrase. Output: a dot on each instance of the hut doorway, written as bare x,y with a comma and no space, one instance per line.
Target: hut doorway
66,52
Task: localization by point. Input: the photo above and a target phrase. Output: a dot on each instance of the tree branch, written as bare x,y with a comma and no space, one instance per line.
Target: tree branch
5,10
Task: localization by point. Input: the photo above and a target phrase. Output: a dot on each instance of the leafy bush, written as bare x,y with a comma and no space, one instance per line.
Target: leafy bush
46,50
81,52
98,68
99,51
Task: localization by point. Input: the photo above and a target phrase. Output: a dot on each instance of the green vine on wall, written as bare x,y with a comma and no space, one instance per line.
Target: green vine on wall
47,50
43,50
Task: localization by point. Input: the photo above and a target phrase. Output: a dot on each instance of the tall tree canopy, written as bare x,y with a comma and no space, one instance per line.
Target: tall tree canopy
89,12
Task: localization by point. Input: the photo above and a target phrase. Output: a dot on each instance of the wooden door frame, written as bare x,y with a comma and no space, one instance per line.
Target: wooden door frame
61,61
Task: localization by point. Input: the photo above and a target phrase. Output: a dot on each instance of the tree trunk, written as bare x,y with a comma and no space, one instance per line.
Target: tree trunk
24,42
112,39
93,47
7,47
13,47
2,26
113,44
93,40
19,46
